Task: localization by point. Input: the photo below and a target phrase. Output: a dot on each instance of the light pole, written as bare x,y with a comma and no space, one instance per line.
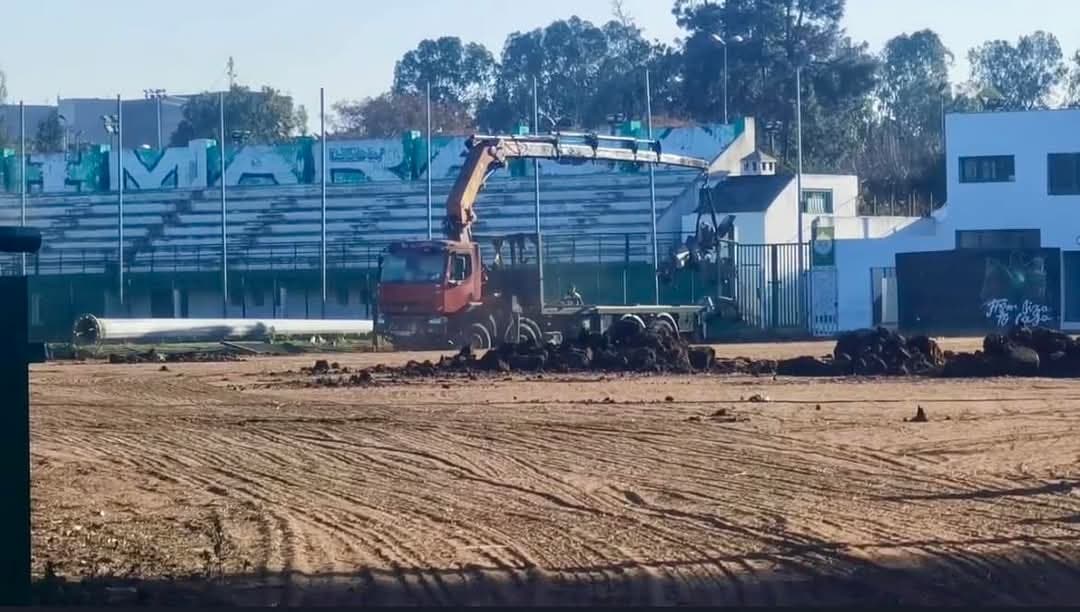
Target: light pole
114,125
324,173
720,39
652,196
156,95
224,217
427,161
22,179
536,194
799,203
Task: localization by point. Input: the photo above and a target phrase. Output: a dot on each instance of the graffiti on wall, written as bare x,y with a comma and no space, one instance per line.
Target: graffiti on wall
967,290
198,165
1014,290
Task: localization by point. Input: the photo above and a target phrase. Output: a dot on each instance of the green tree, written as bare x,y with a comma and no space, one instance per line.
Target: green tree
389,115
1073,82
266,114
583,72
915,82
1026,74
904,151
459,74
766,40
50,134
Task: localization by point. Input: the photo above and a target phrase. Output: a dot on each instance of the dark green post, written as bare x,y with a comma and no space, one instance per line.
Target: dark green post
15,424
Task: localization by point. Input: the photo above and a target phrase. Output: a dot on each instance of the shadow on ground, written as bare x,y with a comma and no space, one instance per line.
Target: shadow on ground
1023,575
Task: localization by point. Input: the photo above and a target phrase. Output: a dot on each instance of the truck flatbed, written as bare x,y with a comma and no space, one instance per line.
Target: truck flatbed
638,309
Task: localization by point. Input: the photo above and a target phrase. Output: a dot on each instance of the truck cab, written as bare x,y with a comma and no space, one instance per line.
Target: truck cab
425,284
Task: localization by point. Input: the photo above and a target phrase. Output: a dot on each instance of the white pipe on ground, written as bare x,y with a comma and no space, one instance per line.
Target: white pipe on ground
93,330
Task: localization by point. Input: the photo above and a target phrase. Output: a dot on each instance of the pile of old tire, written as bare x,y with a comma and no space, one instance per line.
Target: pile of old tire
882,351
626,347
1023,351
871,352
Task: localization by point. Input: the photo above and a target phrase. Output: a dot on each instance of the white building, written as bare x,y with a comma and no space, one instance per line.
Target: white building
1014,188
763,201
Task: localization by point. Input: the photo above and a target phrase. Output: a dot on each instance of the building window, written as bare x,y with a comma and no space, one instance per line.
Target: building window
988,169
999,239
1063,173
817,201
258,297
343,295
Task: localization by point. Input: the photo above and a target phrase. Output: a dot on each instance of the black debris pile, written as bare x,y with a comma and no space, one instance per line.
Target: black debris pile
871,352
883,351
323,367
1023,351
625,348
153,356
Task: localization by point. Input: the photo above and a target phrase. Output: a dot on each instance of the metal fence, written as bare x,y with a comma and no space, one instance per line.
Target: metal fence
771,292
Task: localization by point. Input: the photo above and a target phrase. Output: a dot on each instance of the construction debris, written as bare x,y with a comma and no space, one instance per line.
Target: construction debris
153,356
920,416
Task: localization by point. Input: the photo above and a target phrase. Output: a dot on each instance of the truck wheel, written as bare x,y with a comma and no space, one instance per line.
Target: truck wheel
662,325
478,337
530,332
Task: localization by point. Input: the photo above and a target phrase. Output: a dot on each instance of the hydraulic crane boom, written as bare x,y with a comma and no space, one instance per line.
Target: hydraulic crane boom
489,153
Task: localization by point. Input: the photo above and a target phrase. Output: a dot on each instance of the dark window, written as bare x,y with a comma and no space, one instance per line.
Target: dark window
343,295
1071,272
817,201
998,239
460,267
987,169
1063,173
258,297
236,297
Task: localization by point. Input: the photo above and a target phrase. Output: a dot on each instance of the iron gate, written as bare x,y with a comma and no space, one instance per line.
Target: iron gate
770,290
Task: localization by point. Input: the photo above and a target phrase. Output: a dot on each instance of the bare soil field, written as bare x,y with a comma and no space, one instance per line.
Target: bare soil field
237,483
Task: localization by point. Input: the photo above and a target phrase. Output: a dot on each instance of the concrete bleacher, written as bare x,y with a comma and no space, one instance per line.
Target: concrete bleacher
179,229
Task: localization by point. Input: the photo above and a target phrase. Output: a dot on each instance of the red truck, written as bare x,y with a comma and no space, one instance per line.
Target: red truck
439,293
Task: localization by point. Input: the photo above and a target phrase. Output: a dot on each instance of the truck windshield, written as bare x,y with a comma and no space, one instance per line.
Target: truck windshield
413,267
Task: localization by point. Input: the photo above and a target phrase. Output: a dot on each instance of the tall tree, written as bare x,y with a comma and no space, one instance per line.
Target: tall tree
766,40
584,73
1025,74
50,134
915,82
904,151
1073,82
389,114
459,74
266,115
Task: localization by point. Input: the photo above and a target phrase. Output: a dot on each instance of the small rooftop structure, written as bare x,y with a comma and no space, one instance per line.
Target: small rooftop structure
758,164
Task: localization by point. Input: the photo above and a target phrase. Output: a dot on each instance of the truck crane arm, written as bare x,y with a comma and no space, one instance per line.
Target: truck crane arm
488,153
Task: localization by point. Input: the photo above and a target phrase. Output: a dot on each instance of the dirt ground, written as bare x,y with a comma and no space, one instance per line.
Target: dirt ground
233,483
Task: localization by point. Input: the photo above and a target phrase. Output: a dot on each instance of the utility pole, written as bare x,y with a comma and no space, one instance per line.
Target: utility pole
120,185
799,193
22,179
427,165
536,196
652,196
224,222
323,157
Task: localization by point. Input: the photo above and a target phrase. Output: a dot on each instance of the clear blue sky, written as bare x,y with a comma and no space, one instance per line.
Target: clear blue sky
83,48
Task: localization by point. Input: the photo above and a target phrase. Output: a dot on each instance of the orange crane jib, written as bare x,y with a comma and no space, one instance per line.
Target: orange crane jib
488,153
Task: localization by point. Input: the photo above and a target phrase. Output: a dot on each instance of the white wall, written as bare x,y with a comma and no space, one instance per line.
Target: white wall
1024,203
1021,204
